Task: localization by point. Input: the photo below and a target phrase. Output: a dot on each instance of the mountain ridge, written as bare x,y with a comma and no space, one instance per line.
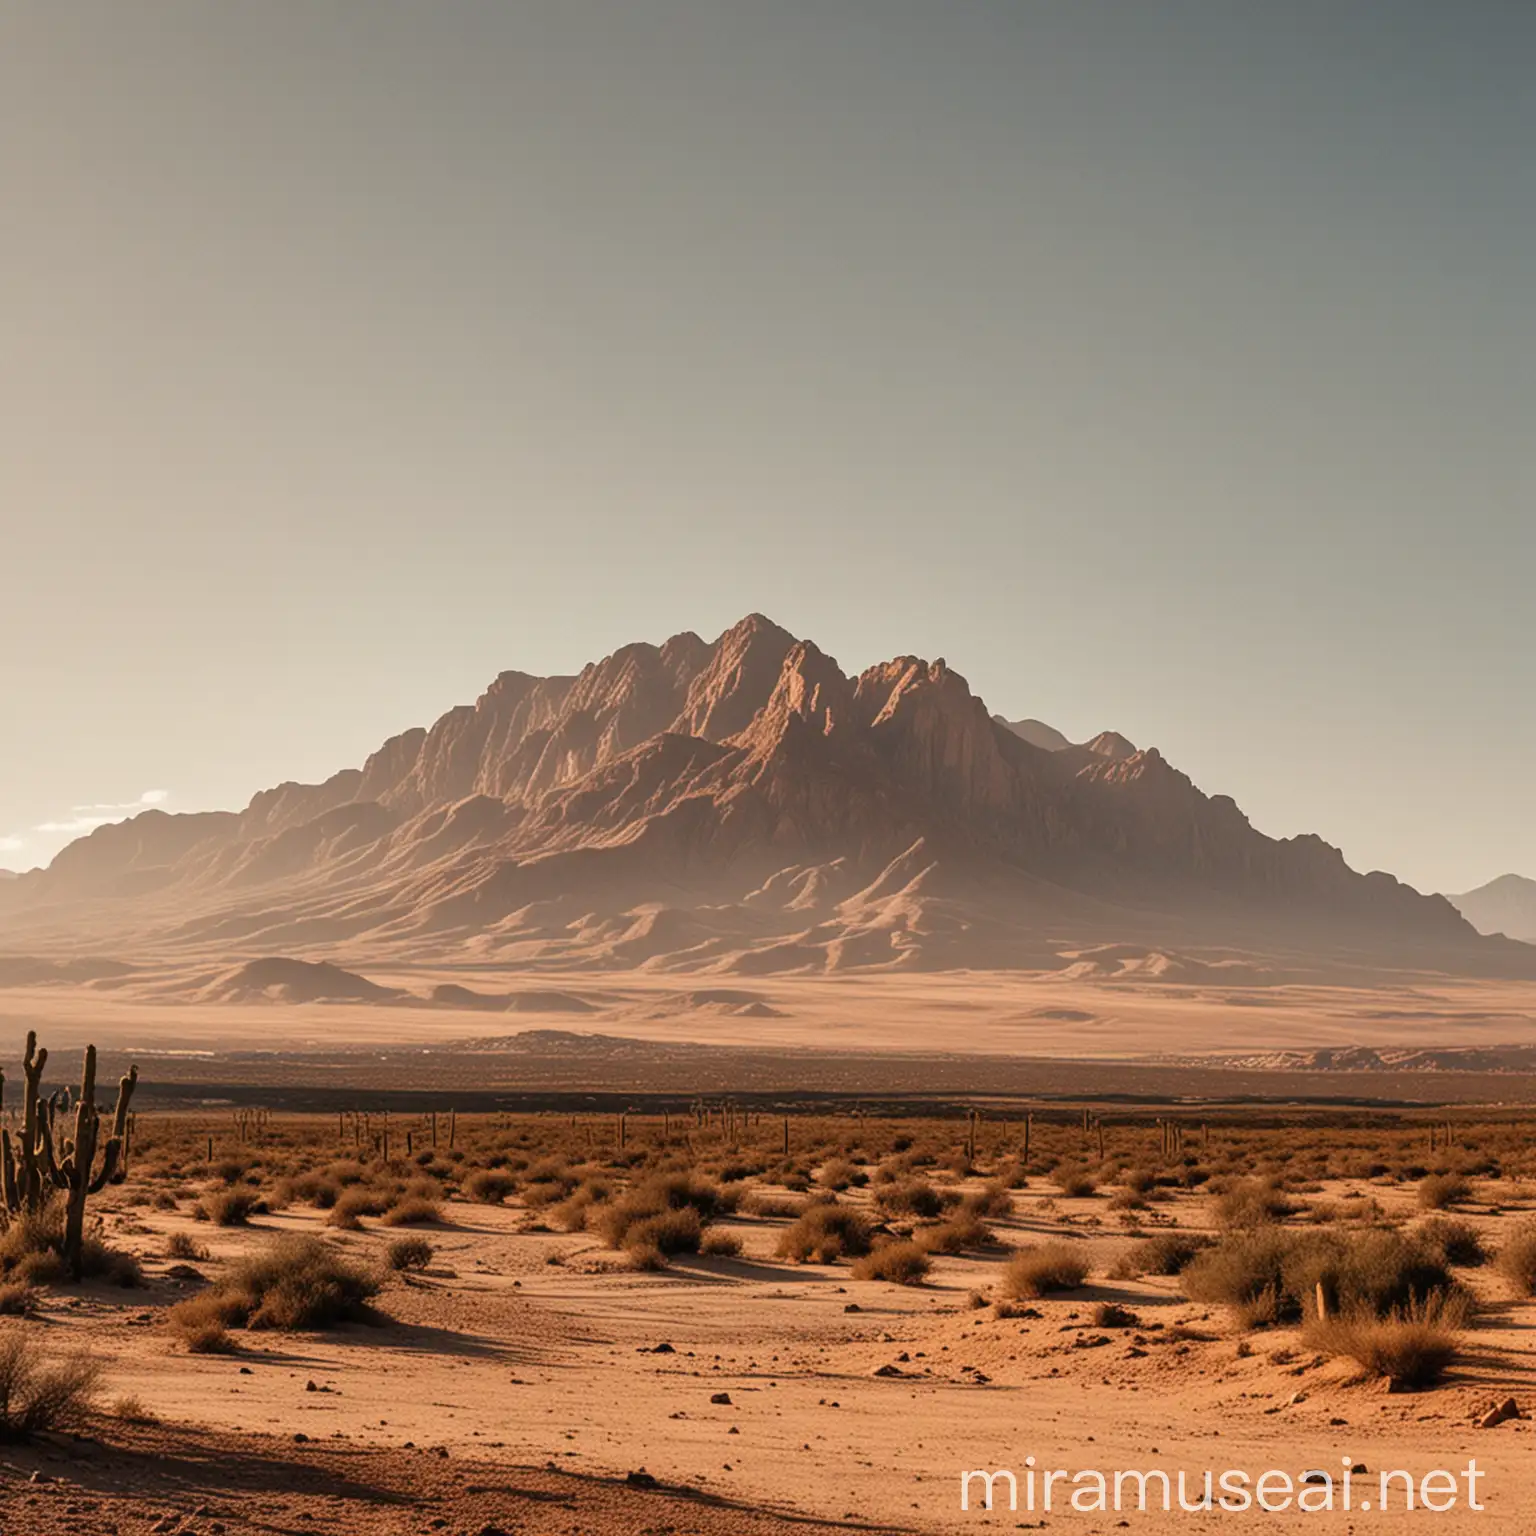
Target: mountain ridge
759,795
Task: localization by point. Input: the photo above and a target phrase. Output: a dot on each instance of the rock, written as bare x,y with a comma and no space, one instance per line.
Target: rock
1508,1409
1295,1399
723,1398
663,1349
889,1370
853,1306
640,1478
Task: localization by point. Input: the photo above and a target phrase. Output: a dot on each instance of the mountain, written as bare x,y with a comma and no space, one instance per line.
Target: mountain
1036,732
741,806
1506,905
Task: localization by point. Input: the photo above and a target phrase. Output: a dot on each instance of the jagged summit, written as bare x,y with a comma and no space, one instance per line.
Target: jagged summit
785,813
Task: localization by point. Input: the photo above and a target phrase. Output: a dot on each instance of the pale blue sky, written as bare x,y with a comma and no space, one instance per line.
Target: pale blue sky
1166,367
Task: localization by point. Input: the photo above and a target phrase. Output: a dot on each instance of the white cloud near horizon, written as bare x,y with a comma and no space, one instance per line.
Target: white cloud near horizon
86,818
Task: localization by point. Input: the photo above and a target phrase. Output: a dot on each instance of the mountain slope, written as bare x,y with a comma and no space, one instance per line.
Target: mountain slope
1506,905
739,806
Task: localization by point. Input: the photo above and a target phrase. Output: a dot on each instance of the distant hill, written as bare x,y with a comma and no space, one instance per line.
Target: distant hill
1037,733
1506,905
739,806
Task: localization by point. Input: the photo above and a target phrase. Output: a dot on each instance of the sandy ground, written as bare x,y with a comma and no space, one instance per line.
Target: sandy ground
522,1375
980,1012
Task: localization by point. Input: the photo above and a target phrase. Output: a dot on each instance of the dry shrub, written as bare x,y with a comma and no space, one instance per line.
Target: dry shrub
1517,1258
1411,1346
198,1323
954,1236
899,1263
409,1253
1073,1180
665,1232
910,1197
759,1204
720,1245
1442,1189
1270,1275
32,1248
1454,1241
575,1213
354,1203
825,1233
180,1245
838,1173
1165,1253
489,1186
231,1207
131,1410
1039,1268
991,1200
18,1299
412,1211
297,1283
673,1207
1253,1203
37,1394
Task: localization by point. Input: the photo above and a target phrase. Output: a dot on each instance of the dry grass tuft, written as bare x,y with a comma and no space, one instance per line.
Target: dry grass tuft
38,1394
1040,1268
898,1262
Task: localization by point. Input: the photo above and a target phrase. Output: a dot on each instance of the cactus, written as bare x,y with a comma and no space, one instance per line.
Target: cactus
32,1168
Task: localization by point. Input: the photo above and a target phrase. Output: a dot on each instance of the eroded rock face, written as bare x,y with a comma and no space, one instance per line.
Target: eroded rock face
693,762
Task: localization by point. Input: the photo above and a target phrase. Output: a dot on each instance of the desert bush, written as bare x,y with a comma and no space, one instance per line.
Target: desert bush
666,1232
489,1186
1452,1240
180,1245
759,1204
355,1202
1252,1203
1039,1268
131,1410
716,1244
1517,1258
32,1252
1439,1190
1271,1275
900,1263
1165,1253
909,1197
823,1234
838,1173
411,1211
954,1236
408,1253
1411,1346
18,1299
38,1394
297,1283
229,1207
991,1200
198,1323
1073,1180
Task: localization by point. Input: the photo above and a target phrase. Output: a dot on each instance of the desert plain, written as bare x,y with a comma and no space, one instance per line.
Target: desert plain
521,1356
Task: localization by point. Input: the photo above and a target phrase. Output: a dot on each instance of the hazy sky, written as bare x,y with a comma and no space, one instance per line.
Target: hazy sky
1165,366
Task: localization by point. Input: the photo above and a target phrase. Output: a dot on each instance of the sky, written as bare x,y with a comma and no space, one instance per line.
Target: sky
1169,368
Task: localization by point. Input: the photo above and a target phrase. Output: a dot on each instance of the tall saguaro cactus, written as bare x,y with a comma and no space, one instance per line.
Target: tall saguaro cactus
33,1166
